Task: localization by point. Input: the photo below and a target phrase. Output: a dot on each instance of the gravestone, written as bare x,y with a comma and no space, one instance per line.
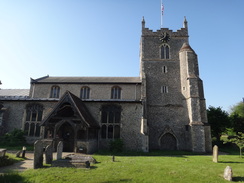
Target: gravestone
2,152
59,150
228,173
49,154
215,154
38,154
18,154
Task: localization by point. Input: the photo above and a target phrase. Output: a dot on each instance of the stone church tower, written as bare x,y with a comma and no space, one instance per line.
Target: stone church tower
175,109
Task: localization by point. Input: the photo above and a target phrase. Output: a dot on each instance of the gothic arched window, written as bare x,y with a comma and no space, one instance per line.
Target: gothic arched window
33,119
55,90
85,92
165,50
116,92
110,119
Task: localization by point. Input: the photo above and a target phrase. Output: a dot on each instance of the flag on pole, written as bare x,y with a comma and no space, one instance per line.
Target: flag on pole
162,8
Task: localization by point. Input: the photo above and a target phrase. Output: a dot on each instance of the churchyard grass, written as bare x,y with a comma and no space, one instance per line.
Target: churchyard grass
17,147
9,159
149,168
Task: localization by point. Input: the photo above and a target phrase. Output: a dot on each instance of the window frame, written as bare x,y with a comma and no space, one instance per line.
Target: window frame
165,51
116,92
164,89
55,91
33,118
85,92
110,122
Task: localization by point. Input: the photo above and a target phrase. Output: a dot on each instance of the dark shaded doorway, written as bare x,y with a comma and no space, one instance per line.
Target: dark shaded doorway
168,142
66,134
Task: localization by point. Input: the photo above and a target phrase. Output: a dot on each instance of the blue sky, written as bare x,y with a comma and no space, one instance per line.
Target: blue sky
101,38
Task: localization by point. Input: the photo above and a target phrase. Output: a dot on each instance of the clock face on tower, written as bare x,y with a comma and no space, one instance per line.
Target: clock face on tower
165,37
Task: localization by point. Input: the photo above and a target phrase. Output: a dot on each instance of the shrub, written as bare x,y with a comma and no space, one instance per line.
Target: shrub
116,145
16,137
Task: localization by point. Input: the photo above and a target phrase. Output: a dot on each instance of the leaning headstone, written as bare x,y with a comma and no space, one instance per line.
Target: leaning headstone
49,154
18,154
38,154
228,173
59,150
215,154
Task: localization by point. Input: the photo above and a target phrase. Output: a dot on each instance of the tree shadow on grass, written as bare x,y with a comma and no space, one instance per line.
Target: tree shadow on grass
119,180
237,179
11,177
151,153
230,162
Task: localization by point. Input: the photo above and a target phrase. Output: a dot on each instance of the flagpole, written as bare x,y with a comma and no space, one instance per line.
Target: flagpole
161,13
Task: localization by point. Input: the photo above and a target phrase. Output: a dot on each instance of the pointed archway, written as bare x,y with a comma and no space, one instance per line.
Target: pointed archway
66,134
71,122
167,140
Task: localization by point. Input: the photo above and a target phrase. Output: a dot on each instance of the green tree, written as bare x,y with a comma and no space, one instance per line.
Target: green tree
237,122
218,120
238,140
238,109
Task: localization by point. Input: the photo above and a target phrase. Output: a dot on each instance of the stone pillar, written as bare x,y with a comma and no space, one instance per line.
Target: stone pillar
59,150
38,154
49,154
215,154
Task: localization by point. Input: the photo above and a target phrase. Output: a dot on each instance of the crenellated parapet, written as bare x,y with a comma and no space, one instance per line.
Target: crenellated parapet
183,32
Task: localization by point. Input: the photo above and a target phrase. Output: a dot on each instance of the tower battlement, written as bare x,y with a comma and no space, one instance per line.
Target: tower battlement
183,32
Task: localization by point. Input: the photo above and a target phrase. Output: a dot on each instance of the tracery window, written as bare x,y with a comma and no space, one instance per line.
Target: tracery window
33,118
110,119
85,92
116,92
55,90
165,51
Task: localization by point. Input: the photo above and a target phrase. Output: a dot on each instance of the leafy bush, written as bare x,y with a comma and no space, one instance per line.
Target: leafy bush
116,145
16,137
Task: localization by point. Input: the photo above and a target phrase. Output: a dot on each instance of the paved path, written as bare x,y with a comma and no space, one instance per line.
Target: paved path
24,165
19,166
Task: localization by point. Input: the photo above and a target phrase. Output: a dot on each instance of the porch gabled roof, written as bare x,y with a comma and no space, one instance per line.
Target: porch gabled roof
77,105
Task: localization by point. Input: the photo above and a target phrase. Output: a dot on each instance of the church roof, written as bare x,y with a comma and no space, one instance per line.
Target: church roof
78,105
86,80
186,47
14,93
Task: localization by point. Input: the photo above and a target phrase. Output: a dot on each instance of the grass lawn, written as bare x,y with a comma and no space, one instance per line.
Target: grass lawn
9,159
153,167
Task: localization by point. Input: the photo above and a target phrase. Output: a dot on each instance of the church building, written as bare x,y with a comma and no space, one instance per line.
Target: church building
161,109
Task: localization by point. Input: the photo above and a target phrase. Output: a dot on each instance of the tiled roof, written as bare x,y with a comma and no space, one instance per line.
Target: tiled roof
14,92
87,80
78,105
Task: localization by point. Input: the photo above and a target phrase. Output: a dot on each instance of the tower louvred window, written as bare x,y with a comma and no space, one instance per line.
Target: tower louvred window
165,51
